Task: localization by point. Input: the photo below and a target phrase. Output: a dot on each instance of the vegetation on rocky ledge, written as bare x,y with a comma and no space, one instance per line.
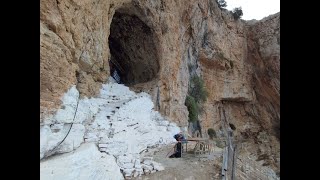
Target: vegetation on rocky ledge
197,96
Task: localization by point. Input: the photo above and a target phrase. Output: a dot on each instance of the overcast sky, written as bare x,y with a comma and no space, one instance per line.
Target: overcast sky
255,9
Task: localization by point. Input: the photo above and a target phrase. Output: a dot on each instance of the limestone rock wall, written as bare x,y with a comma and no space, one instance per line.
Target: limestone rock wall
238,60
73,43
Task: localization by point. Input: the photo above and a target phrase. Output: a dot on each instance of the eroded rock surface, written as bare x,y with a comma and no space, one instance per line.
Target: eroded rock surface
160,45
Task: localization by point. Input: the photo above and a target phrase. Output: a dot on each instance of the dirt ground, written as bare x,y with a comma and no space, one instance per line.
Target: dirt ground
189,167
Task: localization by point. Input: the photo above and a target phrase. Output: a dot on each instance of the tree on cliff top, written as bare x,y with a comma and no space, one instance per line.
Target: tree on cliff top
222,3
237,13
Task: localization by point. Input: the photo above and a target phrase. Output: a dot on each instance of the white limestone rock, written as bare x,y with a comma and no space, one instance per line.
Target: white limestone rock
147,158
49,139
124,131
56,127
136,174
146,171
128,166
128,172
103,134
66,114
137,164
121,160
157,166
103,149
85,111
147,167
91,137
46,140
147,162
116,148
73,140
103,145
83,164
104,139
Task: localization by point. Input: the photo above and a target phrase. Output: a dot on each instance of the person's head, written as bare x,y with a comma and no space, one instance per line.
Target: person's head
178,137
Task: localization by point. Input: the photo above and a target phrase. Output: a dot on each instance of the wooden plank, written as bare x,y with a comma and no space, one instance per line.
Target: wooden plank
197,139
218,139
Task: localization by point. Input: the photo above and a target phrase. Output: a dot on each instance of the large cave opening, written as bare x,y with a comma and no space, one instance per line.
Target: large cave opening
134,57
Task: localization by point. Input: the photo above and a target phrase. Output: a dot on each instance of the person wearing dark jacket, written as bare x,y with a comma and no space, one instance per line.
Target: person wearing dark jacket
177,153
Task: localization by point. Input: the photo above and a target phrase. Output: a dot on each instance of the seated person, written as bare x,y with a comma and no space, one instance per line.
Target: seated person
178,147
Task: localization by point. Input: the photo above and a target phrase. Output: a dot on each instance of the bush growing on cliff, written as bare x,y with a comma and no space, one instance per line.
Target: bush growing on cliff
197,95
237,13
197,90
221,3
192,108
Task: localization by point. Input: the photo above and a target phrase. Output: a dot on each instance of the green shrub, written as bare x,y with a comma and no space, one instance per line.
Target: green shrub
197,90
221,3
212,133
237,13
192,108
197,95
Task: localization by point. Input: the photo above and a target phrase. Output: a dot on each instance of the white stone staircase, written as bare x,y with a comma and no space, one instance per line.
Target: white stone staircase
105,115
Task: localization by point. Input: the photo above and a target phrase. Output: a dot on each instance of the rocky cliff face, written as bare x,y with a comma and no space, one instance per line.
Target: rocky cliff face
155,46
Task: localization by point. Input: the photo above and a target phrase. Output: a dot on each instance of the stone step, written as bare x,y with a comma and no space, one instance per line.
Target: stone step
103,149
111,101
103,145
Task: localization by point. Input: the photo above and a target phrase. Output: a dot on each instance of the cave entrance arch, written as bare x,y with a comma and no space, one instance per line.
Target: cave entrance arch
134,57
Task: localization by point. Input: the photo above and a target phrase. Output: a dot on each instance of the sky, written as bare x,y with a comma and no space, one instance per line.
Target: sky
255,9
